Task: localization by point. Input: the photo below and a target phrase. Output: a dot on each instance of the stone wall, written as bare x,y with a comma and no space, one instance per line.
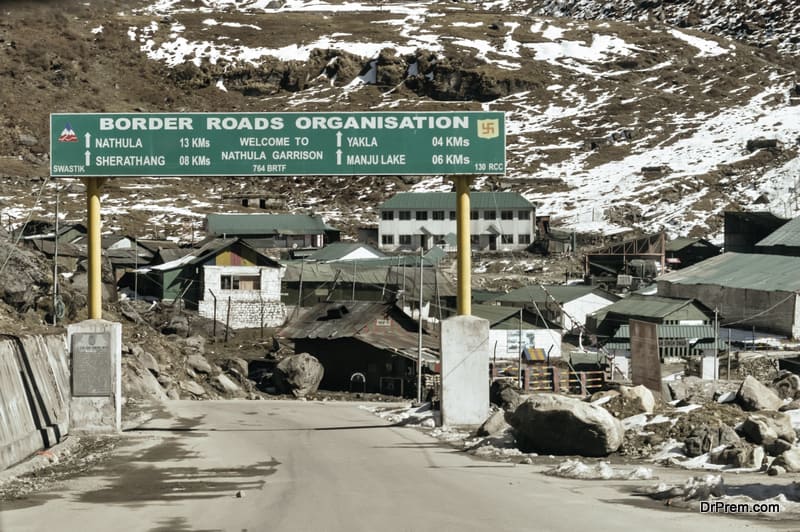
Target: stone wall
249,308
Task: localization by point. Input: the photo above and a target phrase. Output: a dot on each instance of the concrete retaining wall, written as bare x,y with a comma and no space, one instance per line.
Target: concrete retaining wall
34,395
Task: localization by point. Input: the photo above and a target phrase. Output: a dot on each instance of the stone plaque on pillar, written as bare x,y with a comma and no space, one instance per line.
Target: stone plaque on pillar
91,364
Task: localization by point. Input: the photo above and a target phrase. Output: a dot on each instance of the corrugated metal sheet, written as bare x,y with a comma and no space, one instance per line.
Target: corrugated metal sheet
561,293
265,224
378,324
374,276
337,250
646,306
754,271
786,235
446,201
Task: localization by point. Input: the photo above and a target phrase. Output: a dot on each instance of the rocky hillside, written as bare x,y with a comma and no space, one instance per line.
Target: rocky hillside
617,117
761,24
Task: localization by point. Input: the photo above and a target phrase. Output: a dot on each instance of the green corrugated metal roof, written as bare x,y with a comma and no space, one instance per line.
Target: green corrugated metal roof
678,244
447,201
377,277
646,306
495,313
621,339
786,235
561,293
265,224
755,271
672,331
338,250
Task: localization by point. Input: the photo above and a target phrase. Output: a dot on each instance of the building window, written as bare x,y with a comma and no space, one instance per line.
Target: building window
452,215
474,239
405,240
474,215
524,239
240,282
489,215
405,215
506,215
387,215
524,215
387,240
422,215
506,239
437,215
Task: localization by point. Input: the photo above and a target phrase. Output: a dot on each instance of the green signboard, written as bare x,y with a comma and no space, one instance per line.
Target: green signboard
264,144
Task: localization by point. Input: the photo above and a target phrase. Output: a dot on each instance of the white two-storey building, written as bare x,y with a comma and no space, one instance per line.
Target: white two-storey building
499,221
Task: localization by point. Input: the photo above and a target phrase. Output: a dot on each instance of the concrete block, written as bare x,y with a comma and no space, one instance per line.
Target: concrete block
34,394
96,387
465,371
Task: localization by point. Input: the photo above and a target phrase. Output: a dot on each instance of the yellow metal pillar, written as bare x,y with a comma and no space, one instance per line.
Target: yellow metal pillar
93,186
464,246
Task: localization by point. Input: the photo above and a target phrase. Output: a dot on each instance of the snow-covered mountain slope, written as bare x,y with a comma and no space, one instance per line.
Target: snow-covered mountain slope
609,124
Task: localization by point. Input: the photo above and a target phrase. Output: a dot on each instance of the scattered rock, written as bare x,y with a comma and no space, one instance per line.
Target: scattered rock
753,395
192,388
196,344
236,367
704,439
199,364
178,324
739,456
677,390
763,428
787,385
224,384
788,460
602,394
794,405
775,470
639,397
298,375
149,362
554,423
505,394
494,424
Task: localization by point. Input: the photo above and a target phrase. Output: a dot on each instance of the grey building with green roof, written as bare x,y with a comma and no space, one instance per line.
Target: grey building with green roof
749,290
265,231
498,221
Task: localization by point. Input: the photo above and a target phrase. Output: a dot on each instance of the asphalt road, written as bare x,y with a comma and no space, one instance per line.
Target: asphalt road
328,467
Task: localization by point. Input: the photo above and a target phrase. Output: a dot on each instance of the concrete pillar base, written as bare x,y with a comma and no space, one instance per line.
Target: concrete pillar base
465,371
95,348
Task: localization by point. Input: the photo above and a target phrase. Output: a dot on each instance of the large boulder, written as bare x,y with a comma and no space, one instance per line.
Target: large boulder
298,375
753,395
551,423
771,429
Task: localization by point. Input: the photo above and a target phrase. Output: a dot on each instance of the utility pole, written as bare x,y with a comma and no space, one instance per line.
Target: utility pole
55,264
716,343
419,335
520,356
